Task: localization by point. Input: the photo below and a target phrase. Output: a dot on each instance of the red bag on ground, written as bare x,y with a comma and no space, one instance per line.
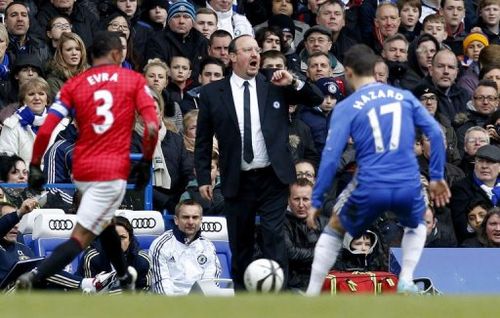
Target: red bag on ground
374,283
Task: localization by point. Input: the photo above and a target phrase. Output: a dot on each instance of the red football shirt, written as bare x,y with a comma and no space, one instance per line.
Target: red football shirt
104,100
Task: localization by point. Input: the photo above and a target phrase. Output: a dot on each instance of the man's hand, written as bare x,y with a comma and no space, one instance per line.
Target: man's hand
141,173
36,180
27,206
206,191
312,214
282,78
440,192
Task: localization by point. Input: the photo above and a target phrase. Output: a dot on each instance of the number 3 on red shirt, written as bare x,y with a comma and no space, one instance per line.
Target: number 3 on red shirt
104,110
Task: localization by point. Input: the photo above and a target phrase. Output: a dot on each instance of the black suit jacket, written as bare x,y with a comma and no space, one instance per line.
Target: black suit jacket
217,115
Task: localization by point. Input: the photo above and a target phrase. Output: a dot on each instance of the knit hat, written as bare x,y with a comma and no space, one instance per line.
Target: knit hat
475,36
331,86
181,6
151,4
284,22
423,89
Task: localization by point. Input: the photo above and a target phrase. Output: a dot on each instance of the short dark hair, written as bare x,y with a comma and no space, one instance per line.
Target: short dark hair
6,164
302,182
272,54
188,202
316,54
105,42
14,3
360,59
212,60
487,83
443,2
218,34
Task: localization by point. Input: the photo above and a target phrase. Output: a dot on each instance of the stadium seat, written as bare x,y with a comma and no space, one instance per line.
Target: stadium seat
28,220
144,222
224,255
168,219
145,240
28,240
214,228
49,231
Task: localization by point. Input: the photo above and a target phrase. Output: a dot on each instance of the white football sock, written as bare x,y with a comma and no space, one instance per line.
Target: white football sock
325,253
412,244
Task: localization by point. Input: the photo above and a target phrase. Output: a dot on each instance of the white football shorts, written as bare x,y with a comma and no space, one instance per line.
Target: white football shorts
100,199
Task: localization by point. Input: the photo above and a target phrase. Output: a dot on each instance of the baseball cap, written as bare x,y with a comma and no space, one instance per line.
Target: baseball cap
424,89
331,86
489,152
284,22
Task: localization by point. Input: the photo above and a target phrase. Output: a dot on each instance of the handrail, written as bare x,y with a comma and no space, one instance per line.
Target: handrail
148,190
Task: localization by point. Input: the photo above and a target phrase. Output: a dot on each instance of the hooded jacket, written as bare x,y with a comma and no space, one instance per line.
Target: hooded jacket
352,260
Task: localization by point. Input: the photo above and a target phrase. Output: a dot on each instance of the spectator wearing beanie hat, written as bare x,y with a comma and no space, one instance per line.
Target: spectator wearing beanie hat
318,118
472,44
427,95
180,38
154,14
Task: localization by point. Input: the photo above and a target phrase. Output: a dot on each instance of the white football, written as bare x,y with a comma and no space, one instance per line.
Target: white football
263,276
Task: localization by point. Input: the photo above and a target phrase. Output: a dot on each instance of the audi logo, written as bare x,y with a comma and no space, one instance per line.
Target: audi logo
211,227
143,223
60,225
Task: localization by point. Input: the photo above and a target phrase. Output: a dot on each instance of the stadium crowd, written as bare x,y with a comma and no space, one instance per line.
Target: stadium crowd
447,53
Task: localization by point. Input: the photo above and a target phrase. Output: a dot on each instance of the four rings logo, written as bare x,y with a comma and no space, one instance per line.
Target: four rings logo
143,223
60,225
211,227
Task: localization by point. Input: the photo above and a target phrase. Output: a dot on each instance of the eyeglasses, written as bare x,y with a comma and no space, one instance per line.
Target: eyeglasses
320,40
117,26
250,49
425,99
482,98
62,26
301,174
472,140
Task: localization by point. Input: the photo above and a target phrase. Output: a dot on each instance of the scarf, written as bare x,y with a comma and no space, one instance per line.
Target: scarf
4,68
492,192
28,118
161,177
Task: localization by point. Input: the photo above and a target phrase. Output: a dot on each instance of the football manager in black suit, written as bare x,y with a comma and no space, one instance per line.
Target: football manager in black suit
249,116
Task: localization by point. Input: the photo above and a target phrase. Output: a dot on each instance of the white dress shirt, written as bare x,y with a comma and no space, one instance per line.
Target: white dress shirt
260,156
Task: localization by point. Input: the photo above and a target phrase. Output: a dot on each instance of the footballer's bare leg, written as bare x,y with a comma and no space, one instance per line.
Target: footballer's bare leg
325,254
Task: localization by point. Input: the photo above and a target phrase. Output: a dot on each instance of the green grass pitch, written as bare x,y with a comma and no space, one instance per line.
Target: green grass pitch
56,305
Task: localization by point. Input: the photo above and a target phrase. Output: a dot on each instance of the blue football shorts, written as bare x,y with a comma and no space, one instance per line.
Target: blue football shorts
358,206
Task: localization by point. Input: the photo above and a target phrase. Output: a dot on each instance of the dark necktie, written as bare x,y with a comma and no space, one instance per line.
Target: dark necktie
247,125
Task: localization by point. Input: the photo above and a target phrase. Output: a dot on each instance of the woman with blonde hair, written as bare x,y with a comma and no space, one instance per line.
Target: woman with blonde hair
18,133
69,60
156,73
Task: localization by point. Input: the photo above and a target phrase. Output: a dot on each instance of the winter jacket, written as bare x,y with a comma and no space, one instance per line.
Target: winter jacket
14,139
462,193
166,44
352,260
300,242
84,23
